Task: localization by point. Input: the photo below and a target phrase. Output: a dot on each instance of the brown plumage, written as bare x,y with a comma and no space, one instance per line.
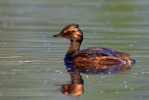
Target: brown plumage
100,55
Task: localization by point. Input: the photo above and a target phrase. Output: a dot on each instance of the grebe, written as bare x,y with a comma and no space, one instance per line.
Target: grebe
100,55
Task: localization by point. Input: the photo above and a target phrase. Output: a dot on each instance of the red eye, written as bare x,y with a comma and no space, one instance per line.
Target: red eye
65,31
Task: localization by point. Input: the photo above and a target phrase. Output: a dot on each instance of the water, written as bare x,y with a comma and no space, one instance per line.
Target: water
31,66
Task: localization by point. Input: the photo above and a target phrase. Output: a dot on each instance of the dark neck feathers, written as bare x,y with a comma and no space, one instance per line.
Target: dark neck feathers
74,46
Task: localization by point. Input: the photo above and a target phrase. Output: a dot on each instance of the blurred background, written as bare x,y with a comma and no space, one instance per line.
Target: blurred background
31,60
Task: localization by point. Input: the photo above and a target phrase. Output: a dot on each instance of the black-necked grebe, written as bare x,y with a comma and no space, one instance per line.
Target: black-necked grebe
100,55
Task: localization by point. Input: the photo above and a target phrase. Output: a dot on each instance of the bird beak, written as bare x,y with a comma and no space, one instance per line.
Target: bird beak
57,35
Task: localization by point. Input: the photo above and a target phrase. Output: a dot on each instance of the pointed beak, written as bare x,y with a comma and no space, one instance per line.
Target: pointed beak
57,35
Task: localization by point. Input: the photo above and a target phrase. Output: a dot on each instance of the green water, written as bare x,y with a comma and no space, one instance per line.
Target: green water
31,66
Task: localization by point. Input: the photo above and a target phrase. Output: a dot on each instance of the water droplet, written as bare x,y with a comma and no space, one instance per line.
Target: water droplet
98,5
87,70
54,79
102,37
11,23
107,14
142,72
48,44
5,24
44,40
117,37
40,94
87,76
45,82
126,86
132,89
20,62
111,29
102,77
49,48
64,39
44,36
125,82
1,94
81,28
130,45
135,41
116,92
101,92
45,44
141,98
19,12
57,71
5,43
65,9
18,50
68,69
95,33
108,22
22,89
48,68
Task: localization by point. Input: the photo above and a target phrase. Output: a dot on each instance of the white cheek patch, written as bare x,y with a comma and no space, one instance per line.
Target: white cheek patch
77,35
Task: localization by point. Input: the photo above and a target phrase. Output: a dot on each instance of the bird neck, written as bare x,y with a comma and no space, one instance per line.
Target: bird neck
74,46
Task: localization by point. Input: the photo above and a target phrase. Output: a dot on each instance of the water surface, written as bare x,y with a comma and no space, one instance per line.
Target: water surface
31,66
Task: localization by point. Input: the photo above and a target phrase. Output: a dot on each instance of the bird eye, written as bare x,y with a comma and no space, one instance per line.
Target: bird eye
65,31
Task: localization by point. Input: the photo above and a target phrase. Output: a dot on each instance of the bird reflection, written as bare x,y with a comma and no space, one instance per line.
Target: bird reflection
74,69
76,86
